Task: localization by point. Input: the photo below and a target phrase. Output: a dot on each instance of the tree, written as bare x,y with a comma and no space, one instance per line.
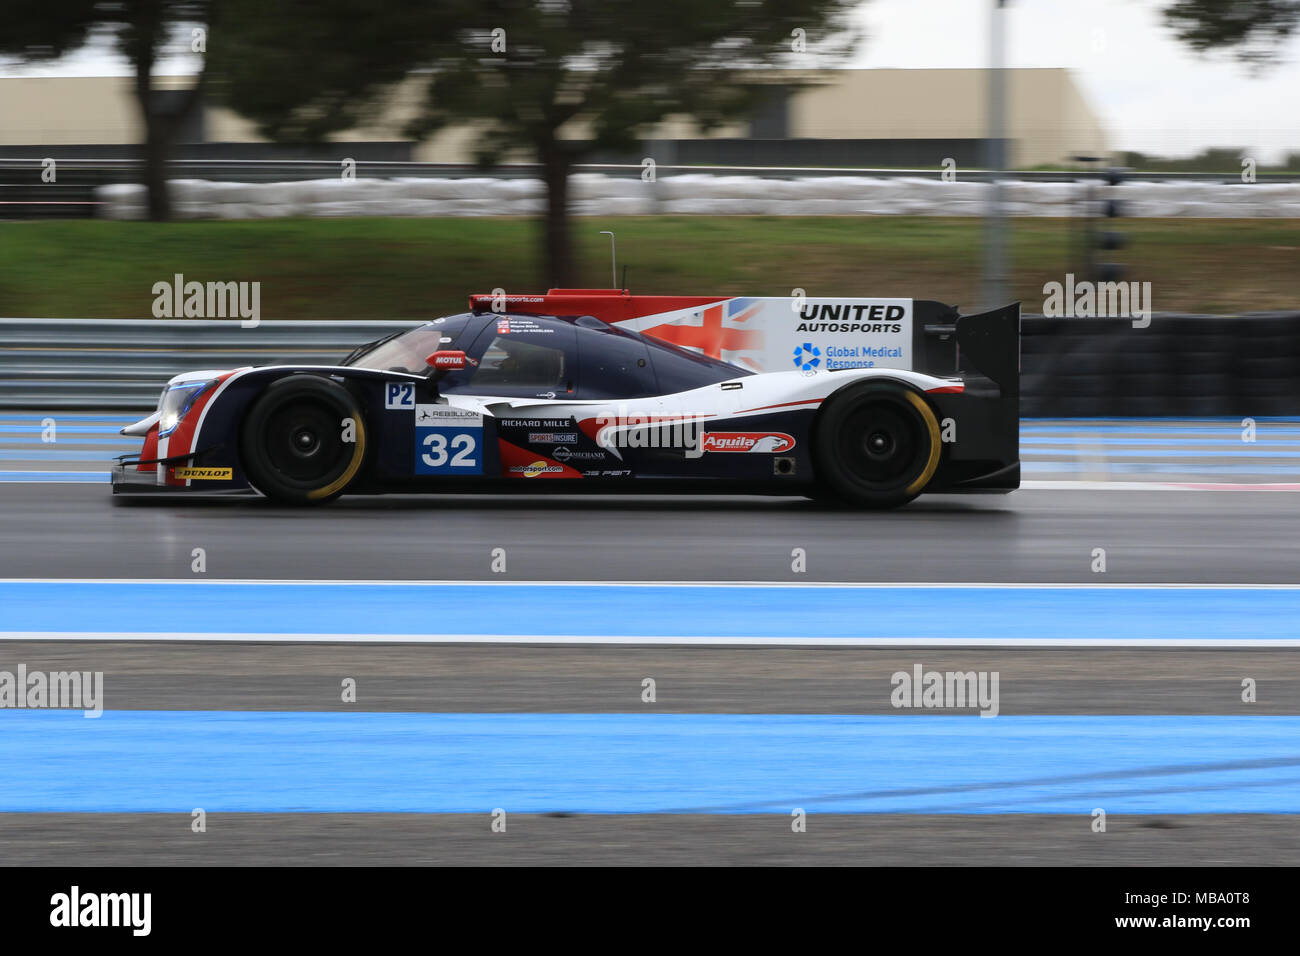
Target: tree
554,79
1253,29
38,30
304,69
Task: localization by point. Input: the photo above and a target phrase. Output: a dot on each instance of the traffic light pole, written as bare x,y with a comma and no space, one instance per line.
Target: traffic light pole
996,270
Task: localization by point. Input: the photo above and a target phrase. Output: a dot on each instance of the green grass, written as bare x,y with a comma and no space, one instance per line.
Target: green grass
415,268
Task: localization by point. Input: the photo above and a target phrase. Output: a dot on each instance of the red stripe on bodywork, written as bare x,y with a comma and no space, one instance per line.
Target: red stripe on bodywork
181,440
150,450
763,408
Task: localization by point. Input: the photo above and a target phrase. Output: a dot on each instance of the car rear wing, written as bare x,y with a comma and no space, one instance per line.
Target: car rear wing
987,344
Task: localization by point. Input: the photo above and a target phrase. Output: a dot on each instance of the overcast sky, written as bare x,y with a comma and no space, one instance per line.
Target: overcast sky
1151,93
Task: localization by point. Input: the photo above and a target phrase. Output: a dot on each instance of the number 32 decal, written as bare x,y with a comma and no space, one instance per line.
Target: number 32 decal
456,452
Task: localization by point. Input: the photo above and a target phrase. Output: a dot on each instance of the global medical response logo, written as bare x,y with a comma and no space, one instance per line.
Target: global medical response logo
807,357
762,442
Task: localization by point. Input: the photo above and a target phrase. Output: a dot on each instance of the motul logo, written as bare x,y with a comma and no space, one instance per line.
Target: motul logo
770,442
448,359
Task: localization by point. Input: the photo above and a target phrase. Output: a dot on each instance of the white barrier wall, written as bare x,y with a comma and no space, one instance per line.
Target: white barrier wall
601,195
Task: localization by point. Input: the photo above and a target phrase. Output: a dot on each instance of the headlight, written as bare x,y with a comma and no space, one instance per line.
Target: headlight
176,401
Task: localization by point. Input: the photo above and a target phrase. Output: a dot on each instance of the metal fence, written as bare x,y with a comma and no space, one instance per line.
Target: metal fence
1180,365
123,363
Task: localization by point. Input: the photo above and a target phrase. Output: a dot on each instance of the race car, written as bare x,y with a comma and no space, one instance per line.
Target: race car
863,402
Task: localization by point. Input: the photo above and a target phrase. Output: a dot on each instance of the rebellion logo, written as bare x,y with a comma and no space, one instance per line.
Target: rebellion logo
762,442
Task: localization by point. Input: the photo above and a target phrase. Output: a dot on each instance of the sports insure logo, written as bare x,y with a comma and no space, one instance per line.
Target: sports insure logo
448,441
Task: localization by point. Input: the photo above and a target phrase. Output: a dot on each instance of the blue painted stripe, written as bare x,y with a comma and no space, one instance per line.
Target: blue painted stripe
1071,443
59,416
1171,429
63,427
1103,451
937,614
1143,422
174,761
1172,432
1205,469
50,454
88,477
65,441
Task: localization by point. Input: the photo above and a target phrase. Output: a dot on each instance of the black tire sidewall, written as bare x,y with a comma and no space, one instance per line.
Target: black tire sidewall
837,478
261,471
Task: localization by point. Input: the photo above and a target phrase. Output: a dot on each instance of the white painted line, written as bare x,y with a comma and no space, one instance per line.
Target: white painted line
115,636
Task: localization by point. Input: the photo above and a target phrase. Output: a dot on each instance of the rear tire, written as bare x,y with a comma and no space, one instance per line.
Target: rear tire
292,440
876,445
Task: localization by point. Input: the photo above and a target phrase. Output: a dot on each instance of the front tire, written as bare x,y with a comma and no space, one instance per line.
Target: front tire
294,440
876,445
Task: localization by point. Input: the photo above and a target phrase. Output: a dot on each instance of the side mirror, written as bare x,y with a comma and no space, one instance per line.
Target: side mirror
447,360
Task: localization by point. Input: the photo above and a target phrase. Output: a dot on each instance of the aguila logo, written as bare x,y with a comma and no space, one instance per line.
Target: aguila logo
769,442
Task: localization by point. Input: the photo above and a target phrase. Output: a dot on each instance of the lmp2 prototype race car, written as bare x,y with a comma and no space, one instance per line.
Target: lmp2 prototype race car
864,402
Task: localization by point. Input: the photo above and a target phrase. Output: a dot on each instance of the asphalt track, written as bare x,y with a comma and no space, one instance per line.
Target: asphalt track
63,531
52,530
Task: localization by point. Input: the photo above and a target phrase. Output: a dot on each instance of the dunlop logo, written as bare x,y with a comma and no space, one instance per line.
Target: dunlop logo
206,474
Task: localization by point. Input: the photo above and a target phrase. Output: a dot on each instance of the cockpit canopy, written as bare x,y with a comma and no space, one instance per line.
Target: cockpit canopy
576,357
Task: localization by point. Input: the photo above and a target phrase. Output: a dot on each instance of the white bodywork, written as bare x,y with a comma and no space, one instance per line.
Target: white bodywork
735,398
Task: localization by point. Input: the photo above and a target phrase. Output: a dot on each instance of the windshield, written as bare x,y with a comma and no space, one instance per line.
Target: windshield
407,351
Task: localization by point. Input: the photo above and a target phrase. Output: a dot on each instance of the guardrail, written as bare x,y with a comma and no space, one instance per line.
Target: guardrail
1179,365
123,363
